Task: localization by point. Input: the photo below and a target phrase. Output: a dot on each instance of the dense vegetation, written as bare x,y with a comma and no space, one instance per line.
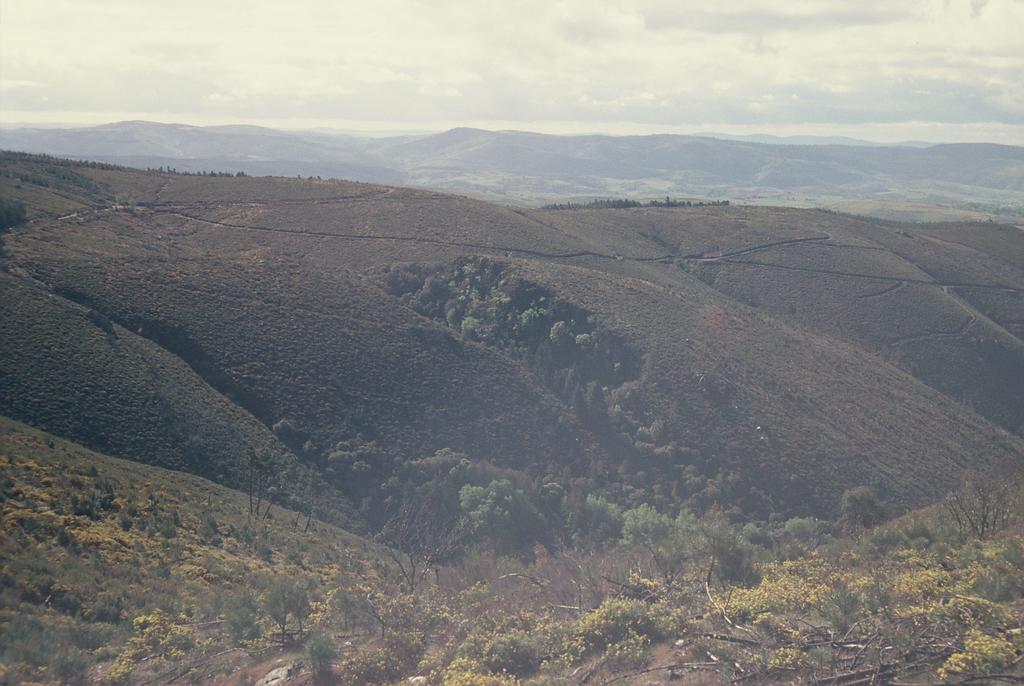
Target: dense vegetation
626,203
12,213
486,301
150,576
583,444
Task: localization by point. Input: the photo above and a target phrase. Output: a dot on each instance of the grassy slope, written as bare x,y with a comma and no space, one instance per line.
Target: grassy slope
74,579
256,270
121,394
943,302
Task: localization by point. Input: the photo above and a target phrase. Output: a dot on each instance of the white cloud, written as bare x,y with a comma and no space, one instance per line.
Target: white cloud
642,63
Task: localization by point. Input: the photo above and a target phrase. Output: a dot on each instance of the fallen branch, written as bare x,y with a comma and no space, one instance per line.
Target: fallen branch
671,667
519,575
732,639
193,666
721,610
988,678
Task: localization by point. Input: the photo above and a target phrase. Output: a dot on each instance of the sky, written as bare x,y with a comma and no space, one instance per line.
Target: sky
887,70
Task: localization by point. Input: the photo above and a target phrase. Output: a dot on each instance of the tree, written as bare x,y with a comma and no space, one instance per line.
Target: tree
860,508
502,514
671,542
285,599
983,507
421,535
240,616
731,558
261,470
12,213
596,521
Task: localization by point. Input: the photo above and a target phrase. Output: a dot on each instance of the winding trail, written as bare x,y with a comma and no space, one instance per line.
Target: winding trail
703,257
416,239
885,291
159,205
876,277
173,209
934,335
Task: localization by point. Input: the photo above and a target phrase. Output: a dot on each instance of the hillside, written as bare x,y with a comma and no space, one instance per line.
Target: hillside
97,550
961,181
113,572
761,359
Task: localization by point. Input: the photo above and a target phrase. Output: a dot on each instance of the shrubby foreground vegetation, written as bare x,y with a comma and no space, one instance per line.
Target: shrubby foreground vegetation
115,572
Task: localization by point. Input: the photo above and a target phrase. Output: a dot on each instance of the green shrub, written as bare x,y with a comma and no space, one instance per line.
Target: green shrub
12,213
399,655
241,618
514,653
596,522
842,608
69,666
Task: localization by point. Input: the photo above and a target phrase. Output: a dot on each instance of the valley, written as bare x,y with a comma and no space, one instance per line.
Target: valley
471,395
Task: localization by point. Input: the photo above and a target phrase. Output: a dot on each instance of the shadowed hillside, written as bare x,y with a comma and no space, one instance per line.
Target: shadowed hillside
763,358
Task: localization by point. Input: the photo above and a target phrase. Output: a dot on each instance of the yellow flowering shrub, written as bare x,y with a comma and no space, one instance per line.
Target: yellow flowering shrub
158,634
982,654
787,658
466,672
616,621
791,586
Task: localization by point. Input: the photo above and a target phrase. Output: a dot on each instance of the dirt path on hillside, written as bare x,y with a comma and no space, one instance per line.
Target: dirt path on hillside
278,202
885,291
876,277
703,257
174,209
935,335
413,239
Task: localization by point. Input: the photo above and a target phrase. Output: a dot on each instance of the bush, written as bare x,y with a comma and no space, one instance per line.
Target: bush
596,522
12,213
860,508
167,528
69,666
982,654
614,622
513,653
241,618
400,654
463,672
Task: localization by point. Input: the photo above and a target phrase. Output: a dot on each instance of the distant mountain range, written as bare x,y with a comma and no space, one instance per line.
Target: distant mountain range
981,180
811,140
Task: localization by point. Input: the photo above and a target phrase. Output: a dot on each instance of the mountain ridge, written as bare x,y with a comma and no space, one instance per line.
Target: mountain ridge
781,356
517,167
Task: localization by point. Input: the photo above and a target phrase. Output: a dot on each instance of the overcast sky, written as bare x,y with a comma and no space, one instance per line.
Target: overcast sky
880,69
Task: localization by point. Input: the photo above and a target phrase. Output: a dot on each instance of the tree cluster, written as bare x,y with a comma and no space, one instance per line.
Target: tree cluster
626,203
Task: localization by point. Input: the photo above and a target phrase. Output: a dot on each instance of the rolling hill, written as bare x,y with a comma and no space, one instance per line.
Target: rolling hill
961,181
761,359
